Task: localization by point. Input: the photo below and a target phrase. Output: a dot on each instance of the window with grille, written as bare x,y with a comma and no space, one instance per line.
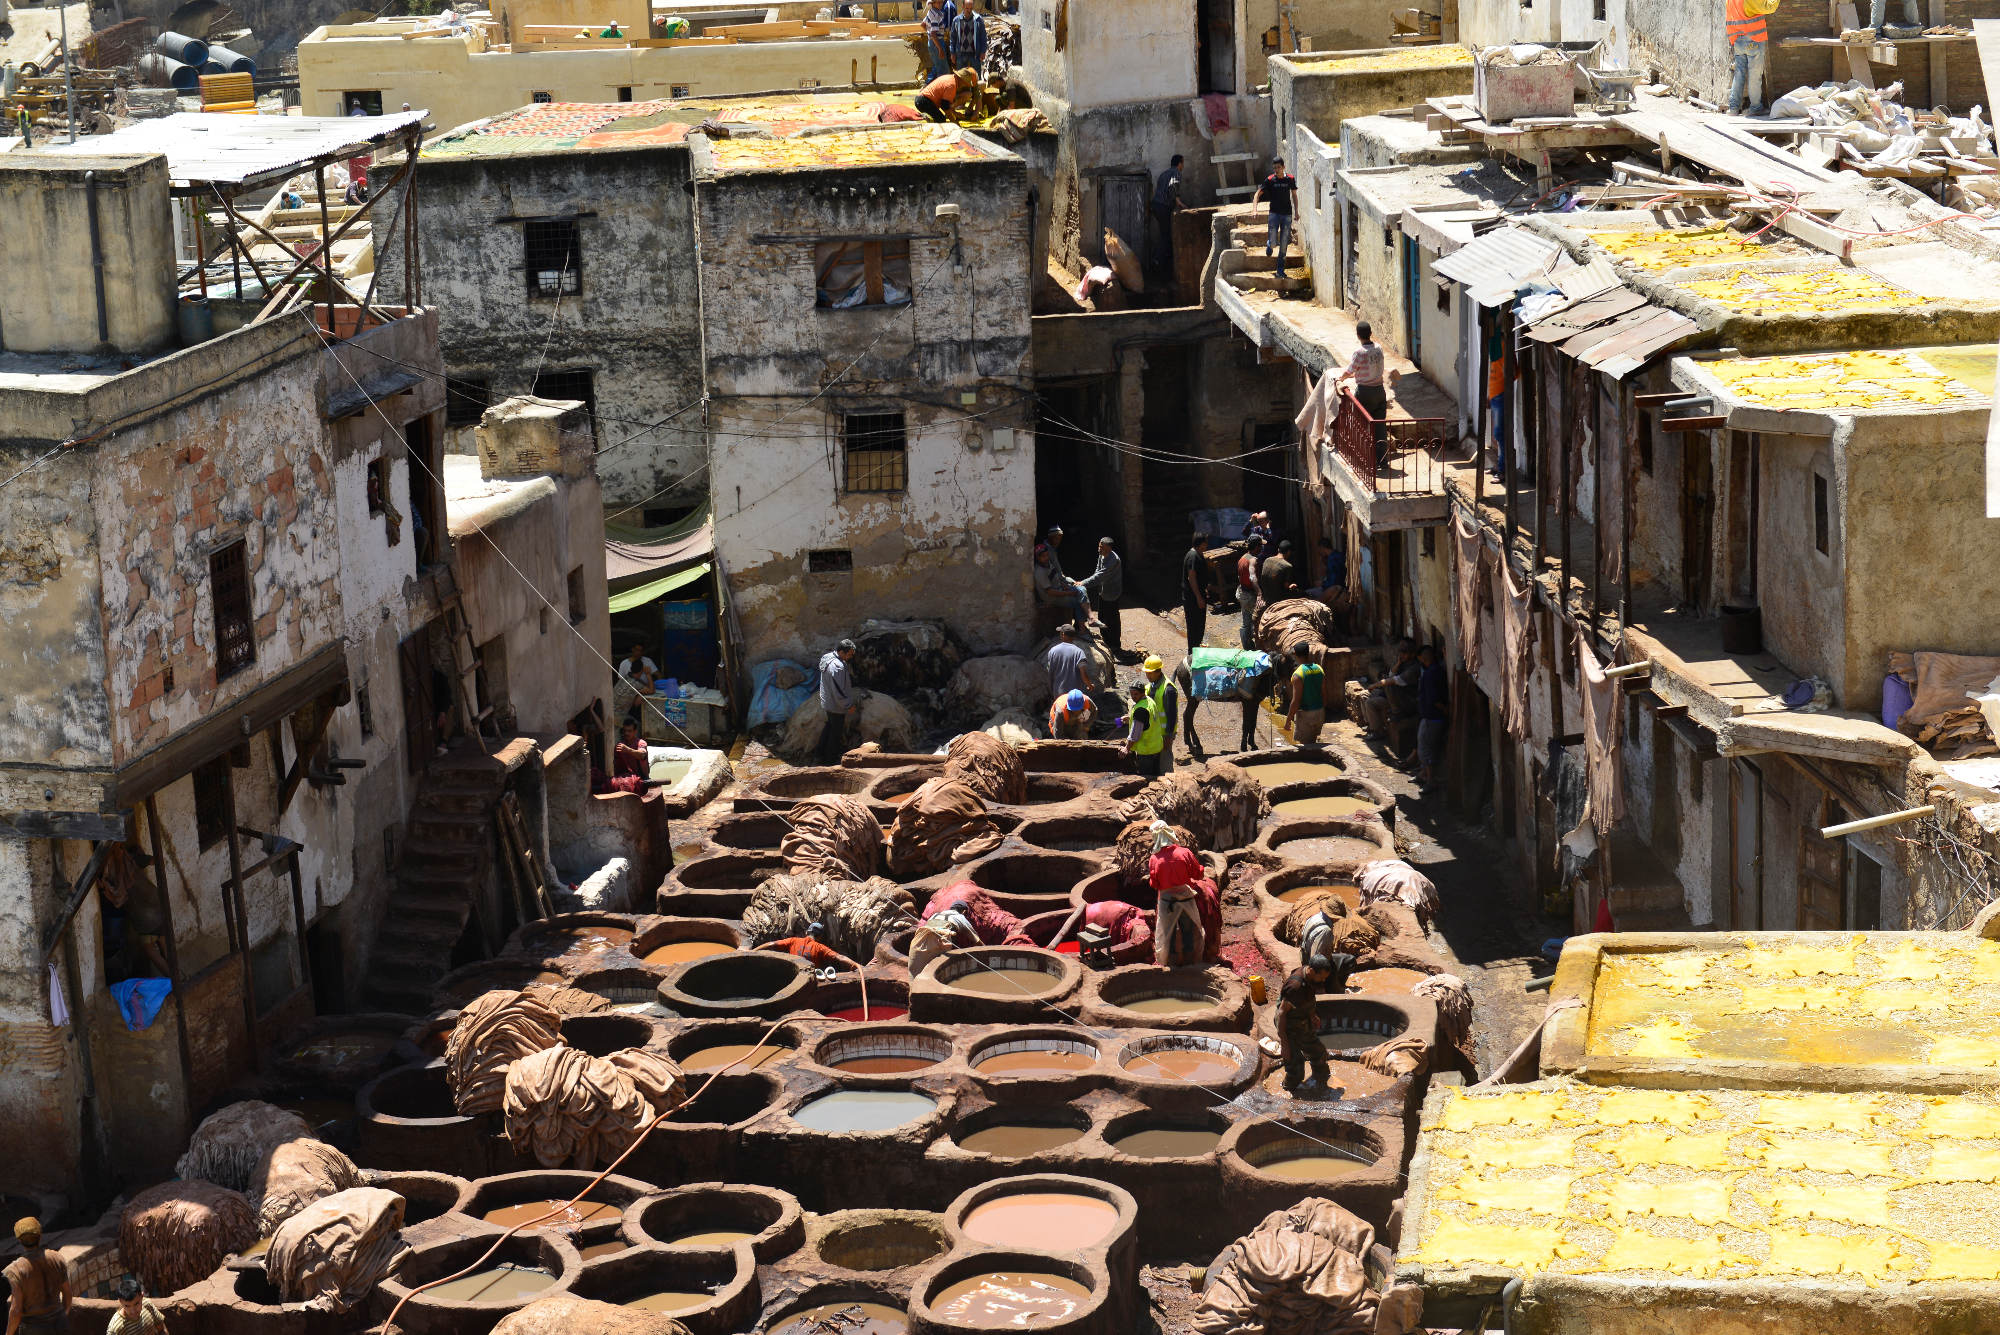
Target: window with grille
877,452
853,274
553,257
829,561
211,801
466,401
541,96
579,385
229,590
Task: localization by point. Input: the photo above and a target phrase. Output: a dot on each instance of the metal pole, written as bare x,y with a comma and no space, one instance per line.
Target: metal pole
1485,382
1629,410
410,235
1510,458
1538,396
69,77
1596,504
325,243
173,953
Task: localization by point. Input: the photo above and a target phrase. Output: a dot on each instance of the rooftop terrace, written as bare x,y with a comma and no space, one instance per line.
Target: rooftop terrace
556,127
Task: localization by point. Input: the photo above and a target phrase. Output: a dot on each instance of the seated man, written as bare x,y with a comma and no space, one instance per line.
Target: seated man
1055,589
1070,716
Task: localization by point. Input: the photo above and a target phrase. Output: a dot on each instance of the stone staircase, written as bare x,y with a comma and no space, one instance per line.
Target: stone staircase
444,866
1260,271
1647,897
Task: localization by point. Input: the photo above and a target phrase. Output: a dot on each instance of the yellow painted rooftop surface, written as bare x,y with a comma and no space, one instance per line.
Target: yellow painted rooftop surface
1874,1189
1657,250
1823,289
901,145
1874,1000
1903,378
1412,58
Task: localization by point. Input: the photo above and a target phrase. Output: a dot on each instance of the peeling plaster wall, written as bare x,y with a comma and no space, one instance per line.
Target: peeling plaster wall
39,1097
53,708
635,325
1799,589
956,544
1133,51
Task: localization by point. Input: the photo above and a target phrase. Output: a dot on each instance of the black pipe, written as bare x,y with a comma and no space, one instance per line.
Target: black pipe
97,257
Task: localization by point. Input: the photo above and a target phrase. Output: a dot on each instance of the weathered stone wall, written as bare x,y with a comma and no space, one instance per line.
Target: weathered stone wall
635,325
1317,95
1096,55
1327,25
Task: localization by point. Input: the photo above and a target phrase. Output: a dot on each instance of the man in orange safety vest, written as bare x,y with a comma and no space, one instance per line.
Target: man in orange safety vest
1747,36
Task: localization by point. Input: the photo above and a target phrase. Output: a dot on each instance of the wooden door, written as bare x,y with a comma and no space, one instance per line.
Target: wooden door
1697,521
413,657
1746,847
1822,876
1124,200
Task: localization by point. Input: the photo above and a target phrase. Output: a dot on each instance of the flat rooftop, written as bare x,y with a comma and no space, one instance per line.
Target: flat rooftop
1382,62
902,145
1879,379
553,127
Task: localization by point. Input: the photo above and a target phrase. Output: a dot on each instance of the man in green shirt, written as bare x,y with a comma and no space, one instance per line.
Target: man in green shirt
1306,714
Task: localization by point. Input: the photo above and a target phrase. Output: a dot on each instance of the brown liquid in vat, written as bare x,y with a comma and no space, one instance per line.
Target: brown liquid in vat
1196,1065
1167,1143
679,952
500,1284
1015,1140
1011,1299
1349,895
584,940
1166,1005
722,1237
1334,806
722,1054
670,1300
1294,771
1047,1221
1037,1061
1312,1167
565,1215
597,1249
1006,981
1388,979
853,1318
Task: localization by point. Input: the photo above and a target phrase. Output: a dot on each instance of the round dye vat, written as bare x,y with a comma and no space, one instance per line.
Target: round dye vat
1333,806
899,799
257,1248
680,952
1351,1040
873,1011
1165,1005
597,1249
339,1050
498,1284
1006,982
744,1056
1349,895
1316,1167
1045,1221
1036,1061
883,1065
1012,1299
1198,1066
863,1110
1167,1143
845,1318
670,1300
722,1237
1295,771
1330,848
1017,1140
561,1214
583,940
1388,979
651,1009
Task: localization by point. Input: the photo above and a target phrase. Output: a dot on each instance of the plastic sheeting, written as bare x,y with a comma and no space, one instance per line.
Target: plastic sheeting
944,823
834,836
777,689
495,1031
566,1108
177,1233
331,1255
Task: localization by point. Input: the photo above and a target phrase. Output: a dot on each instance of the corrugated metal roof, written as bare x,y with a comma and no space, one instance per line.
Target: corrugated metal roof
1492,266
244,150
1587,279
1616,330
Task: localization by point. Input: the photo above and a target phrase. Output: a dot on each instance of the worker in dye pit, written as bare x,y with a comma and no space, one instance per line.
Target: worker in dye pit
1316,942
1175,873
39,1295
1748,39
631,756
136,1314
947,97
1070,716
812,948
1298,1025
1106,585
946,930
836,697
1305,713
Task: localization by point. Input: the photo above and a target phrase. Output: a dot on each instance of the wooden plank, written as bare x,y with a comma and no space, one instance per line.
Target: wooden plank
1936,57
63,825
83,885
1693,423
1857,64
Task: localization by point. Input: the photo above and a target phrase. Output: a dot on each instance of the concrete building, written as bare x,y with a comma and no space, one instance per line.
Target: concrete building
227,556
865,343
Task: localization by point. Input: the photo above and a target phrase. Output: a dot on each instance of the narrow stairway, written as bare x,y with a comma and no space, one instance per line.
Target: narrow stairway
1260,273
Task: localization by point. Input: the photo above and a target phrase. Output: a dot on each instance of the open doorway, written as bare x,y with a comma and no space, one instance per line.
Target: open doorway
1215,46
1079,479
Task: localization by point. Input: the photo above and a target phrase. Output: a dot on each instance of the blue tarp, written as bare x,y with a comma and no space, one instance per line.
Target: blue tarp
771,703
1224,674
139,1000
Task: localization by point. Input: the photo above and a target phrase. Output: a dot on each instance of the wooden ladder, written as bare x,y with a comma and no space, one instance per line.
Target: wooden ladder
1237,144
530,885
468,667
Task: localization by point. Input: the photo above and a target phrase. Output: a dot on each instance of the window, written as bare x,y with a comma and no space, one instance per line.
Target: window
834,561
580,385
1821,517
680,90
211,802
576,608
877,452
1388,237
862,273
466,401
1444,296
368,102
1597,10
1319,195
229,590
552,256
364,710
625,93
378,486
542,95
659,516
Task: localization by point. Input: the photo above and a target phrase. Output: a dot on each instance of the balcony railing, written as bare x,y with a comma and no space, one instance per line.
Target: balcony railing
1407,461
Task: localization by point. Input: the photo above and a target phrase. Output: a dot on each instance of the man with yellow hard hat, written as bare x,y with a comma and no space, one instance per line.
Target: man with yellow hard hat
1155,709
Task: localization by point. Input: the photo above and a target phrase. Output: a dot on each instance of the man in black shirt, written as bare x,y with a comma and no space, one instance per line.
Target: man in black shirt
1277,191
1197,589
1166,203
1298,1023
1276,579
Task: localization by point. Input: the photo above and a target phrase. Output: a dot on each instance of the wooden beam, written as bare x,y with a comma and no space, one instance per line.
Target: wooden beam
1693,423
241,920
305,746
173,952
54,935
91,825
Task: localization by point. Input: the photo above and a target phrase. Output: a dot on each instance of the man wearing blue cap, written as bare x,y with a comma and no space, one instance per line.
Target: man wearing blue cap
1070,716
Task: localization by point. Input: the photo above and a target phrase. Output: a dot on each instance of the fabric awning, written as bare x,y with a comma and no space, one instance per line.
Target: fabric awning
640,594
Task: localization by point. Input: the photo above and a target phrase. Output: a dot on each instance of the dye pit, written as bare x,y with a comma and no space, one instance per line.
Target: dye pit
1037,1125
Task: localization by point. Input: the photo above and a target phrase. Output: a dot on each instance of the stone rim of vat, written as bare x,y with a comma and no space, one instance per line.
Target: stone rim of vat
599,1034
732,1269
670,931
731,1084
793,785
398,1051
922,1126
499,974
784,981
423,1188
1248,1059
1352,785
838,1291
426,1314
895,781
1060,1184
879,1038
934,1000
781,1223
844,993
1280,830
429,1073
1224,998
1085,1268
1311,752
527,941
1267,1136
1057,755
620,984
1066,872
1267,886
1159,1119
1065,1114
1102,830
501,1190
831,1236
709,1033
1419,1016
695,877
1035,1040
747,832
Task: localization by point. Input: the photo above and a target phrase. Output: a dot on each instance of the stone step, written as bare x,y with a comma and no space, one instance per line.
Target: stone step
430,825
456,799
399,995
431,902
1271,282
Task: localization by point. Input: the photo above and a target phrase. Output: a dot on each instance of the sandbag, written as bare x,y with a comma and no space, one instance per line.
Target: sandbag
331,1255
856,915
1397,1057
1134,850
944,823
1299,1272
1289,620
177,1233
567,1314
496,1030
566,1001
876,718
566,1108
996,926
229,1146
657,1077
293,1176
836,836
988,766
983,687
1396,881
1217,801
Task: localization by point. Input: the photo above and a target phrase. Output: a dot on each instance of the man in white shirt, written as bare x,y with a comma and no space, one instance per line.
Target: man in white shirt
1364,368
634,661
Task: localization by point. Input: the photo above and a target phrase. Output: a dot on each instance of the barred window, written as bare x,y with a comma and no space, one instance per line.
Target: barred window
579,385
466,400
229,590
553,256
877,450
853,274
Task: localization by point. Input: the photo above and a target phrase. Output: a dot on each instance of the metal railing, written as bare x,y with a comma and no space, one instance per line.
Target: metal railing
1401,457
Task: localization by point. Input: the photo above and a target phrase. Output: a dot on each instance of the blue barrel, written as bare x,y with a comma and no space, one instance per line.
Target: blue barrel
232,62
187,50
181,78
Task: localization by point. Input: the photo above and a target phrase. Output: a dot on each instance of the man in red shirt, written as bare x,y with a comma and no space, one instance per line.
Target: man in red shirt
812,948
